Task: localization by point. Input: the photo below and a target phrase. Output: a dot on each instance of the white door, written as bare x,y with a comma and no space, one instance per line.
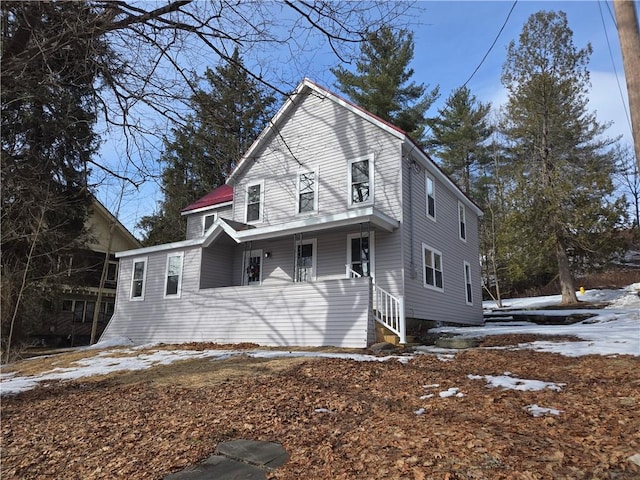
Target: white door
305,261
360,254
253,267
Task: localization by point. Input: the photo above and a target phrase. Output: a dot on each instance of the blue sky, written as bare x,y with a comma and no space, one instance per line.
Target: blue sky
451,39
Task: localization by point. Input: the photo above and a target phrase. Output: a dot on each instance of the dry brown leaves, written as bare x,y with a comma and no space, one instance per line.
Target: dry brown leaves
365,426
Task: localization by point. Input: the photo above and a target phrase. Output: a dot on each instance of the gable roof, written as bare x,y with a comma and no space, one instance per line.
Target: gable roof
100,221
307,86
218,196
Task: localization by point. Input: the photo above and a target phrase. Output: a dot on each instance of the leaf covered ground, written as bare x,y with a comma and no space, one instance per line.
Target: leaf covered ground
338,419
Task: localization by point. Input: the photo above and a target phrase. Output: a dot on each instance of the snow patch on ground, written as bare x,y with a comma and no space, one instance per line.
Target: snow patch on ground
507,382
536,411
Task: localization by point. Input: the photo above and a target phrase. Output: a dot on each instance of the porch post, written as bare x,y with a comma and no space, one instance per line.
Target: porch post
402,321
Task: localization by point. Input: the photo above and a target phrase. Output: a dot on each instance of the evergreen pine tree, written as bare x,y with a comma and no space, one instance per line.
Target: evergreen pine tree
458,138
226,119
382,84
561,216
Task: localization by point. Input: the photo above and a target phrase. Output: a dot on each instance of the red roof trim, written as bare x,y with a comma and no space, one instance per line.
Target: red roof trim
222,194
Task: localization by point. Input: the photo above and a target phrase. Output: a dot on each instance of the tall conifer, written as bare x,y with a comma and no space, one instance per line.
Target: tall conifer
560,185
381,83
227,116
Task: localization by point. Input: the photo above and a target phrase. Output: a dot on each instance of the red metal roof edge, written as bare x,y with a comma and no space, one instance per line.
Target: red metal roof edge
221,194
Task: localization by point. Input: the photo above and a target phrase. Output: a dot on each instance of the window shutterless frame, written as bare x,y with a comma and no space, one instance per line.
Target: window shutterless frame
432,270
254,202
307,192
462,222
138,278
360,179
467,283
430,188
173,275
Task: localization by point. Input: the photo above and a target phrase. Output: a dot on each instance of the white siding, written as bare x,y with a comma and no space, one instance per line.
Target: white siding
305,314
320,134
448,305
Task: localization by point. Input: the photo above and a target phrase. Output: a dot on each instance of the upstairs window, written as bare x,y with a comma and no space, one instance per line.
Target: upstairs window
431,198
208,221
173,278
361,181
255,194
462,221
467,282
138,278
307,192
432,263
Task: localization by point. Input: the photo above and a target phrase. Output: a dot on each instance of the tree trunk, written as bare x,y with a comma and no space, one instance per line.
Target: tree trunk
627,19
567,286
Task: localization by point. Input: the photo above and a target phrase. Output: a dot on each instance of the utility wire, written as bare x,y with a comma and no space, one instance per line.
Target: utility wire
615,71
492,45
495,40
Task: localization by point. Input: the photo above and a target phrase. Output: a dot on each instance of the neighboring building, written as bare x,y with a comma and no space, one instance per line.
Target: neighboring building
332,220
70,319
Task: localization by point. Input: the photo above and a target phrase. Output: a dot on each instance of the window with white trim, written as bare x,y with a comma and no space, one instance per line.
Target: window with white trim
432,267
138,278
173,277
208,221
462,221
360,181
254,202
431,197
467,283
307,192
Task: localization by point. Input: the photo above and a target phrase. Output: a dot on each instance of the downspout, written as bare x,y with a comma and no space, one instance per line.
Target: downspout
412,265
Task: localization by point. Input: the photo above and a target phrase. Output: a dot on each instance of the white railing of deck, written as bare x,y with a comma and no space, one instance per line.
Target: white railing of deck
387,309
351,273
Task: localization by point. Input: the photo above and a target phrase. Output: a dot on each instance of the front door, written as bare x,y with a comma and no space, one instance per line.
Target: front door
305,261
360,254
253,267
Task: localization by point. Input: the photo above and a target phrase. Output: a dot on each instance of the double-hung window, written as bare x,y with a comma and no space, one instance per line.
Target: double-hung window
361,181
254,201
307,192
138,278
431,197
467,283
462,221
173,278
432,265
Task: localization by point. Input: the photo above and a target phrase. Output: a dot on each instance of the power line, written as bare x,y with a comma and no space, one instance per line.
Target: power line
495,40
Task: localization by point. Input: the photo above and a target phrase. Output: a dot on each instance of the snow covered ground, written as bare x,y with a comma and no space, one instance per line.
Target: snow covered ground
615,330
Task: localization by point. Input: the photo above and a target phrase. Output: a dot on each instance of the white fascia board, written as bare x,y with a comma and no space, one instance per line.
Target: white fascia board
428,164
264,134
326,222
159,248
216,229
210,207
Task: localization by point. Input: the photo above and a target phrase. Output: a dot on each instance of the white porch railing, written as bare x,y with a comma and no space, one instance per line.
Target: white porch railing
388,310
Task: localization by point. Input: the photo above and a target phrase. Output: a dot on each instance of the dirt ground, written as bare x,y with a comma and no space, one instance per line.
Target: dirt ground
338,419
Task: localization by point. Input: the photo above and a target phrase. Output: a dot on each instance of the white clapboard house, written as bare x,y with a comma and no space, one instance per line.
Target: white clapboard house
334,221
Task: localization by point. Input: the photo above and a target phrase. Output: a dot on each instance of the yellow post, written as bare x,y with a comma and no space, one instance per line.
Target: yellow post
581,290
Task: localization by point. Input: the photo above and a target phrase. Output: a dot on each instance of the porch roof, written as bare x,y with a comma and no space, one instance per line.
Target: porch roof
249,233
